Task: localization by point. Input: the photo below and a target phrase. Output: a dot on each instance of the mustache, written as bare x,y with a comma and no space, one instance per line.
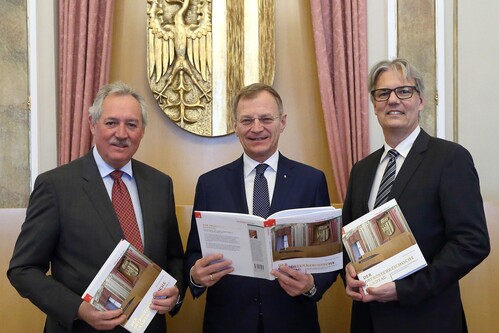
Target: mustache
120,143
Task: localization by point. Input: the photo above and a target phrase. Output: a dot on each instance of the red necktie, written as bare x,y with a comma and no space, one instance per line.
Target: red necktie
123,206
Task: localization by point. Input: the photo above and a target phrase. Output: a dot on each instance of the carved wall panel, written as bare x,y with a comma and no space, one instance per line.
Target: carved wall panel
200,53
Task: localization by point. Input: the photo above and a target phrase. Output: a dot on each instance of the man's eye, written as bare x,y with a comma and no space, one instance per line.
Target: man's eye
110,123
246,121
267,120
383,93
132,125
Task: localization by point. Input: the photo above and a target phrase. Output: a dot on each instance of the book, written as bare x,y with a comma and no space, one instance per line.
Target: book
127,281
306,239
381,246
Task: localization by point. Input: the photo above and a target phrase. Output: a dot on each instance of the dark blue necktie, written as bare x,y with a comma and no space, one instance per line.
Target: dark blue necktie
261,202
388,178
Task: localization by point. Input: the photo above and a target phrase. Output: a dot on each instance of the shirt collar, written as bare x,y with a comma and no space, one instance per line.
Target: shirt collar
405,146
250,164
105,169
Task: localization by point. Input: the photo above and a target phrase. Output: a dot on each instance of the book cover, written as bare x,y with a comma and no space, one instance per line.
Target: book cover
306,239
381,246
127,281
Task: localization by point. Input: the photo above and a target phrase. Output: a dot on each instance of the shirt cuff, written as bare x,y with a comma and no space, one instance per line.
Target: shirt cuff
192,281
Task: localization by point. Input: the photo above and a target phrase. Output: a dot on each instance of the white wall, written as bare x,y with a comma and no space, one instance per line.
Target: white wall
478,82
477,79
42,50
478,73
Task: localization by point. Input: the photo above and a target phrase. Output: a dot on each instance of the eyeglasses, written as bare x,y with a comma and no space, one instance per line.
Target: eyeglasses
265,120
404,92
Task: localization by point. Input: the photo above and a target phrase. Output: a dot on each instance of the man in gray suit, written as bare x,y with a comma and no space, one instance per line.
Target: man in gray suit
71,226
437,188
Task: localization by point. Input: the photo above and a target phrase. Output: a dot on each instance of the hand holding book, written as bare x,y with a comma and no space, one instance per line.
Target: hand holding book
124,286
381,246
306,239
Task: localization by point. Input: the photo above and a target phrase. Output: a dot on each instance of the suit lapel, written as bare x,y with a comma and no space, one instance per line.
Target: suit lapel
235,178
368,174
144,186
285,179
416,155
96,192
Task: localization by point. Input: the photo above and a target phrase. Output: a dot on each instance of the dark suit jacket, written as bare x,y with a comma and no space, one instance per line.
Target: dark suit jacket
438,191
71,228
233,304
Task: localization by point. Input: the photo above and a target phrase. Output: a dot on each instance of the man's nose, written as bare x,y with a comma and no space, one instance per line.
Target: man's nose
256,126
393,98
121,131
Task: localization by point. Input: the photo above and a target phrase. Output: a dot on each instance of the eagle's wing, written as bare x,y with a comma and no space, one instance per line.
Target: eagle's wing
161,48
162,40
199,45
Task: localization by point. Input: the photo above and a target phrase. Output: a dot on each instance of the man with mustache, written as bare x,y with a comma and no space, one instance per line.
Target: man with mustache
71,226
437,188
243,304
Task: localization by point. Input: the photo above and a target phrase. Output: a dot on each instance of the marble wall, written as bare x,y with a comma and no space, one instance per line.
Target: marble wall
416,41
14,106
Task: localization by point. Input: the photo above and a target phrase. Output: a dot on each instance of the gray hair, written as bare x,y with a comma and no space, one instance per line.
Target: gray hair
116,88
252,91
401,65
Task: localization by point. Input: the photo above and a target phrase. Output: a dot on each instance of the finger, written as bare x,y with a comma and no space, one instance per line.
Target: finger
219,265
281,276
218,274
295,274
110,314
351,270
208,259
166,292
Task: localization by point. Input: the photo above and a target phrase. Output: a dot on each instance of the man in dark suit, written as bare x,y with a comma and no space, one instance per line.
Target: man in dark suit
437,189
71,227
243,304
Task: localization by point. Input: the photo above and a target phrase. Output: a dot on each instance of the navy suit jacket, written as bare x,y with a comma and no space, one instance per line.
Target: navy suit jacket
438,191
71,228
233,304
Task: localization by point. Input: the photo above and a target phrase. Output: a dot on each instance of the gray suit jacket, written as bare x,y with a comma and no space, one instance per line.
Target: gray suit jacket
438,191
71,228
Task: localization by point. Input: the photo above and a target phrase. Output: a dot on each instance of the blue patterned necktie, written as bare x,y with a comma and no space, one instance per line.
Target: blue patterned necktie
388,178
261,202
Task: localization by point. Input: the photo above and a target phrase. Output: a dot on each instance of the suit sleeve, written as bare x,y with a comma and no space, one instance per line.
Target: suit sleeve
193,249
175,249
33,251
465,238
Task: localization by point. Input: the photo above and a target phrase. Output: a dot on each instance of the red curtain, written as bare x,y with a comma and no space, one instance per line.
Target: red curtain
85,33
340,34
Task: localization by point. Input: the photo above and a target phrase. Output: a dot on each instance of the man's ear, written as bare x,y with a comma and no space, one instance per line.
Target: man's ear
91,124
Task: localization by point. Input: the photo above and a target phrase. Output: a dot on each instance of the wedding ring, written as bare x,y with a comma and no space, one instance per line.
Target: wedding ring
211,277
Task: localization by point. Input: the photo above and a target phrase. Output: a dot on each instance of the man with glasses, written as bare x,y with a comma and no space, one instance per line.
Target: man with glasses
437,188
243,304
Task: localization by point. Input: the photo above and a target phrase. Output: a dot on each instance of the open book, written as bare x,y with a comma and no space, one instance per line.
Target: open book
127,281
381,246
306,239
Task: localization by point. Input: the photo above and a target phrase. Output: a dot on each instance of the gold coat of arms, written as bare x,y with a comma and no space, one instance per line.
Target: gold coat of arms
200,53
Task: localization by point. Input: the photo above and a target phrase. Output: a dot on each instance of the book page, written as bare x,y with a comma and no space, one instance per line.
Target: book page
381,246
308,240
241,238
127,281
